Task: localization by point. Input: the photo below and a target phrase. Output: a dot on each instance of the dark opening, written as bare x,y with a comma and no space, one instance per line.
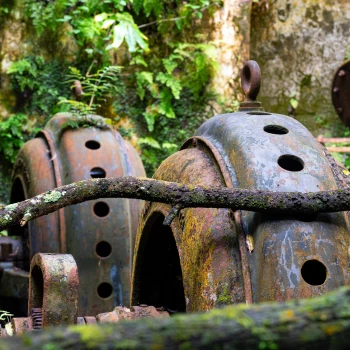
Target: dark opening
306,217
103,249
160,274
276,129
37,287
104,290
314,272
96,173
101,209
258,113
17,195
91,144
290,162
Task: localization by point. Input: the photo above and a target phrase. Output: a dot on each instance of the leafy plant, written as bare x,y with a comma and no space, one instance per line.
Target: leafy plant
39,83
4,314
165,82
13,133
94,87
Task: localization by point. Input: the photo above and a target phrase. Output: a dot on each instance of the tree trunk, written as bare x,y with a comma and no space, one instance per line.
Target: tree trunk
322,323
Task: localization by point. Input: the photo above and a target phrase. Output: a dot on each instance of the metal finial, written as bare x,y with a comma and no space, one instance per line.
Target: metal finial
250,82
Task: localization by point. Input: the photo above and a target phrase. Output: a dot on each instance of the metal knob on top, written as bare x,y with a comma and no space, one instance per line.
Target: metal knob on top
250,83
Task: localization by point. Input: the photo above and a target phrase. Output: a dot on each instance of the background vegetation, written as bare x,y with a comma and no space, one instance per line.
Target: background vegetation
157,99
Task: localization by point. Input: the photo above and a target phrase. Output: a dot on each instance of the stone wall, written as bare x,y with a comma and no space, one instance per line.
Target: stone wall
299,45
230,32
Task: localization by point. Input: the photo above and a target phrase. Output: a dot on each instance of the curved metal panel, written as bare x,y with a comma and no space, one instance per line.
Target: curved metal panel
99,234
205,237
258,155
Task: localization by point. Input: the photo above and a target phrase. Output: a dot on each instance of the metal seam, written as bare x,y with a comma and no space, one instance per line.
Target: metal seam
56,168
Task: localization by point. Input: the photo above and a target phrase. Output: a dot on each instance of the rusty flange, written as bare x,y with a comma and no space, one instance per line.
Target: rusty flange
53,290
341,92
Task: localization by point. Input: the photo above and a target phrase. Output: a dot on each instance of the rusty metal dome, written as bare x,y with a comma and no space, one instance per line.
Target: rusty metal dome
100,234
212,257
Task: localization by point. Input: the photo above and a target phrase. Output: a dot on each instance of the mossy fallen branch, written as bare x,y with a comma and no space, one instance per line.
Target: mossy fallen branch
179,195
318,323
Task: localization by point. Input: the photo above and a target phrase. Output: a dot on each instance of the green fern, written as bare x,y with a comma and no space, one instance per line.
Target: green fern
95,87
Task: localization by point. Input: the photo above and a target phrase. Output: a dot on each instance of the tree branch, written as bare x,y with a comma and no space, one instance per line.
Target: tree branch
317,323
175,194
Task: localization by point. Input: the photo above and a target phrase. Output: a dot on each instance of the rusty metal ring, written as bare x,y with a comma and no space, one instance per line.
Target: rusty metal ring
251,80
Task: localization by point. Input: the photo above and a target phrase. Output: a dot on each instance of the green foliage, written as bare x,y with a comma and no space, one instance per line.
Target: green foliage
160,90
4,314
335,130
168,134
95,87
13,133
39,83
165,83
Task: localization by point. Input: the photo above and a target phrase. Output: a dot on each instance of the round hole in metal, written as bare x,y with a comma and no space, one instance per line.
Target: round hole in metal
290,162
314,272
306,217
101,209
104,290
103,249
258,113
91,144
97,173
276,129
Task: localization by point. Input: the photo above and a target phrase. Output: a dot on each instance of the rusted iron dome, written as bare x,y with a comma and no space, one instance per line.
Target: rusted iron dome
100,234
212,257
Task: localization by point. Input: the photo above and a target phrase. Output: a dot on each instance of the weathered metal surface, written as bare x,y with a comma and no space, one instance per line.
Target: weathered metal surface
13,279
278,257
53,290
53,298
21,325
194,264
13,282
123,313
341,92
100,234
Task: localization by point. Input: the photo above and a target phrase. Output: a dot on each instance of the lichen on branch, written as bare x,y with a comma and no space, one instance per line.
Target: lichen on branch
176,194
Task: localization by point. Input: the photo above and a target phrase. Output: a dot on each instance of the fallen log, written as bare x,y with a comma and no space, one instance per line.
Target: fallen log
322,323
